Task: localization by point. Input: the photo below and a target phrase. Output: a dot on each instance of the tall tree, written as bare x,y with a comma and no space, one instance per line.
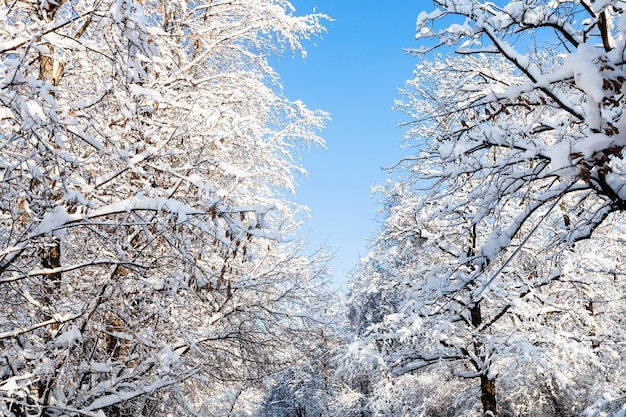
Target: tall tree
535,124
147,160
532,345
519,149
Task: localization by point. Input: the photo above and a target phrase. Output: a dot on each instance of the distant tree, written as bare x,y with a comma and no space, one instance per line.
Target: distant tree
147,163
304,389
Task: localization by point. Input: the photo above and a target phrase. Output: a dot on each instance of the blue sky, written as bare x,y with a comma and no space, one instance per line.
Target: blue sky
354,72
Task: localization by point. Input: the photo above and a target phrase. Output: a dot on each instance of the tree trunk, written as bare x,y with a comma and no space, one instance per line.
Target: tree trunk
50,254
50,257
594,342
487,385
488,395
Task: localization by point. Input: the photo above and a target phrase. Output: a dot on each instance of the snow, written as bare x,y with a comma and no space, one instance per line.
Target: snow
460,29
618,183
121,396
92,141
599,5
424,18
595,142
146,92
54,218
70,335
12,386
586,73
559,155
57,217
11,45
621,23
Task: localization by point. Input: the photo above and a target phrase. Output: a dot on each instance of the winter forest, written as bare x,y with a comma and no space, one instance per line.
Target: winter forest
151,262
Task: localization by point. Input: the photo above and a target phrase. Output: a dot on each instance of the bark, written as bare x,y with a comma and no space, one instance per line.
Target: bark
488,395
50,254
594,342
50,258
487,385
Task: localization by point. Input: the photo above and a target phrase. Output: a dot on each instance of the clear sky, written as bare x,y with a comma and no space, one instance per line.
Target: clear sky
354,72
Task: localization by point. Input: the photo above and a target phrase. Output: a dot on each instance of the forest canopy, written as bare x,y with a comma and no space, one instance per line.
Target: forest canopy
495,285
149,254
148,260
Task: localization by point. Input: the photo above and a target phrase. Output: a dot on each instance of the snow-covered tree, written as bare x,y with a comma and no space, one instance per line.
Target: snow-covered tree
519,142
493,287
304,389
542,339
527,119
147,159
